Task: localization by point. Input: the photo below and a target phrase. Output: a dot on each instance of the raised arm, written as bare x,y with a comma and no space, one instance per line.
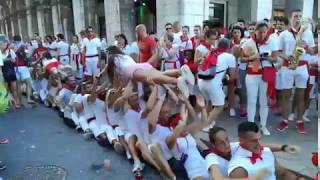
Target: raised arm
153,116
150,103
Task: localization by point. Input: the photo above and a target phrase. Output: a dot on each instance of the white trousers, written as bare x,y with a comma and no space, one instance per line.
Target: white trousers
257,87
98,129
79,120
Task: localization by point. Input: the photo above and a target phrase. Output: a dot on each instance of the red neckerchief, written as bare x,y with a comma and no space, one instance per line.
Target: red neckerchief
172,122
68,87
260,42
137,109
184,39
235,42
91,36
224,156
220,50
255,156
294,32
208,46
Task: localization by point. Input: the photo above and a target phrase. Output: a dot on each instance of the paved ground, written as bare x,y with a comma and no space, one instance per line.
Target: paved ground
39,137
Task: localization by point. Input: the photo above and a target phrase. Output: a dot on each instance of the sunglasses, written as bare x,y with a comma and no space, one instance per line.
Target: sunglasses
169,28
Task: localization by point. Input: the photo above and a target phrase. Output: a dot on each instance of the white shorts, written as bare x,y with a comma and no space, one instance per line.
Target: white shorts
212,90
278,81
98,129
22,73
294,78
91,68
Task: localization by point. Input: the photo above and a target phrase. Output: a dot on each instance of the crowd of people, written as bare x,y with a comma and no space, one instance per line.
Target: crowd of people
150,99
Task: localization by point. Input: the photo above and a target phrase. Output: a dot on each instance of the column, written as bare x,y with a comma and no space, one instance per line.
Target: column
57,26
29,18
6,27
78,15
127,18
308,8
12,26
113,23
40,21
261,9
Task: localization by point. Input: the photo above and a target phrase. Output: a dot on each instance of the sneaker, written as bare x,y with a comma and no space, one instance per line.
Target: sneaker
87,134
183,86
265,131
138,166
207,129
187,74
2,166
128,155
79,129
232,112
283,126
305,116
300,127
291,117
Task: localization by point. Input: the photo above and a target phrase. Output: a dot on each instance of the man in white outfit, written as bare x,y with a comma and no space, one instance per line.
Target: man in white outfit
62,50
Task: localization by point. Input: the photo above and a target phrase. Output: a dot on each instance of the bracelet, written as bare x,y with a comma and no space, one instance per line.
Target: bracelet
283,147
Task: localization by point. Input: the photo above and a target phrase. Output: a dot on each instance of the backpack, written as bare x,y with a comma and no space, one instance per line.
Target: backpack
208,70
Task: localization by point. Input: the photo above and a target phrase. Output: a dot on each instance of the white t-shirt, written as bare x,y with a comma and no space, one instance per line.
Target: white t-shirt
134,48
225,61
203,50
95,109
45,62
241,159
104,45
134,122
287,42
91,46
63,47
176,37
185,45
52,46
213,159
123,62
127,50
159,136
74,49
270,46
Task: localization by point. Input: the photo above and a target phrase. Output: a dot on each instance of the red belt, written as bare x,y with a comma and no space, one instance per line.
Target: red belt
91,119
301,63
250,71
91,56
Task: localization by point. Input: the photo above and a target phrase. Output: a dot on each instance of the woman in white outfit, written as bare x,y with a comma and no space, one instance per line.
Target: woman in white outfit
257,88
76,57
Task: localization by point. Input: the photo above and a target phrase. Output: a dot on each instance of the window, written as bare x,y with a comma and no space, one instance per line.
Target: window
217,12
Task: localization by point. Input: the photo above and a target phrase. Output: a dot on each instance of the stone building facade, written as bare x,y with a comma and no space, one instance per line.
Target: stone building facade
111,17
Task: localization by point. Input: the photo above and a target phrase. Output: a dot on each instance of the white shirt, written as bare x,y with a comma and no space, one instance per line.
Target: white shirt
223,164
287,42
224,62
203,50
45,62
185,45
74,49
241,159
127,50
63,47
104,45
135,48
134,122
95,109
159,136
270,46
91,46
123,62
176,37
52,46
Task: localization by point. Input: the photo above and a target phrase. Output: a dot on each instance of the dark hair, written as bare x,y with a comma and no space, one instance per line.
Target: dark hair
187,27
167,24
245,127
253,23
17,38
211,32
37,34
123,37
266,20
89,27
282,19
238,28
47,55
113,51
169,36
213,131
295,10
261,25
60,36
76,37
198,26
241,20
224,43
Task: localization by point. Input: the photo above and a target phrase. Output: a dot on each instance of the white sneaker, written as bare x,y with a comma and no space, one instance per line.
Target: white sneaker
138,166
183,86
207,129
128,155
232,112
265,131
305,116
187,74
291,117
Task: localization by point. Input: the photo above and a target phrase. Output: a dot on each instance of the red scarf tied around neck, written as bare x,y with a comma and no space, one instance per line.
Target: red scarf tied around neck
255,156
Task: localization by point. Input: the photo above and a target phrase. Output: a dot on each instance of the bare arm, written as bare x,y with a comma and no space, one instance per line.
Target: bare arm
239,172
197,57
155,55
150,103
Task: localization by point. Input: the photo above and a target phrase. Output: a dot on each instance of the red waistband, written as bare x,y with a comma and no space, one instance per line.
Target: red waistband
250,71
91,56
91,119
301,63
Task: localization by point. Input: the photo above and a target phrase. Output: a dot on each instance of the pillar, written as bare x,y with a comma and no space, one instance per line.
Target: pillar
6,27
29,18
308,8
12,26
261,9
41,22
113,23
78,15
57,28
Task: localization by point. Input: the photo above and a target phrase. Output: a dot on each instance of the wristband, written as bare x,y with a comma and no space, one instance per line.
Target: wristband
283,147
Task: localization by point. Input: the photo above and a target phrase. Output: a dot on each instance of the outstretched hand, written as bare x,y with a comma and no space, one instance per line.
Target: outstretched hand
292,149
200,101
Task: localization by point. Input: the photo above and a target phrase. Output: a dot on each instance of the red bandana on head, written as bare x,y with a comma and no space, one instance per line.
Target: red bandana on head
260,42
224,156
